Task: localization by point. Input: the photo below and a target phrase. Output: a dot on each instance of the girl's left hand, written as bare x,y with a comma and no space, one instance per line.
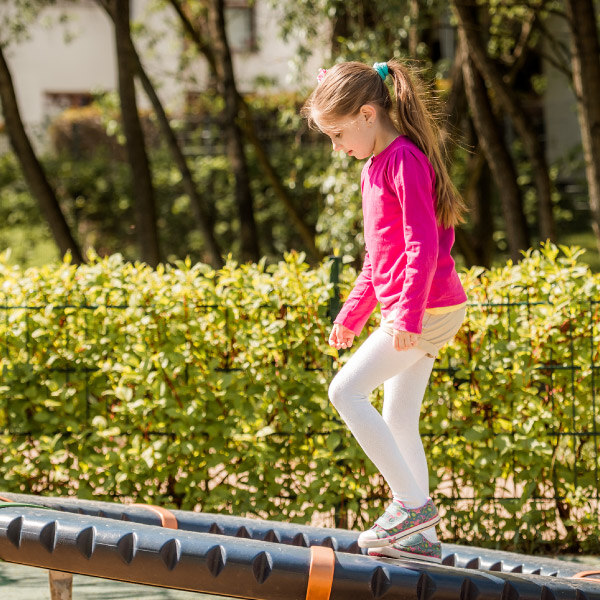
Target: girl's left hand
404,340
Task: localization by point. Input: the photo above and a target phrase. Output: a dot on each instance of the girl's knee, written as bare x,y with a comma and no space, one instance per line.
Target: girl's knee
336,392
347,391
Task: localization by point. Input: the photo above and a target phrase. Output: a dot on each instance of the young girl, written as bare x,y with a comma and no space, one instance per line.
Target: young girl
410,208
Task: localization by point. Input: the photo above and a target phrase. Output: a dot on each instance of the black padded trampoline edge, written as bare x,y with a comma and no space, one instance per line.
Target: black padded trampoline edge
246,568
340,540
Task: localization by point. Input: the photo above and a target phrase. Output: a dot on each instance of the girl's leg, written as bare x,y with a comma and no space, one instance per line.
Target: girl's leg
403,395
374,362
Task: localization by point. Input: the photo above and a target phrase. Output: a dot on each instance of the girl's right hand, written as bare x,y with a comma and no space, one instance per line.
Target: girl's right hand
341,337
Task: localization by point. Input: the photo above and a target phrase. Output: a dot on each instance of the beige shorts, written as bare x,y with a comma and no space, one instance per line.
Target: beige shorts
437,330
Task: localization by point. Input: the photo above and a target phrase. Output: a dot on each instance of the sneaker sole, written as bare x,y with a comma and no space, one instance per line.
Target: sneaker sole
387,541
393,553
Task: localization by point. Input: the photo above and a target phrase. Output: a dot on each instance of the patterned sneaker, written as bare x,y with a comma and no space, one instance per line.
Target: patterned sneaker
398,522
415,546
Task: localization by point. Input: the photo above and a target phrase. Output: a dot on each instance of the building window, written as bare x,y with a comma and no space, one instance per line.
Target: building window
241,26
57,102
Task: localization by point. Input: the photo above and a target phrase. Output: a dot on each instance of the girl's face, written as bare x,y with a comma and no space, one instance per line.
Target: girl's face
353,135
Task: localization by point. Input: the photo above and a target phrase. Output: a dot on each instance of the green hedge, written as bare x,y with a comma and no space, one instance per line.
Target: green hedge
187,387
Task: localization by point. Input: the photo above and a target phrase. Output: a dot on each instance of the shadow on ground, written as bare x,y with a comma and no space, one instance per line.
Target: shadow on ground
18,582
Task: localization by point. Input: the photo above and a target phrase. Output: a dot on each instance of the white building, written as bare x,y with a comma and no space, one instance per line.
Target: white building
61,64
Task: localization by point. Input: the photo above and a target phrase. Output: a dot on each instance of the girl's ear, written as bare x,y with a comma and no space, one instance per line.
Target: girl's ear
369,113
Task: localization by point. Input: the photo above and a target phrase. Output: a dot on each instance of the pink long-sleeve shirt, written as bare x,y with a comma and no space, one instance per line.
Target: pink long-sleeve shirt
407,265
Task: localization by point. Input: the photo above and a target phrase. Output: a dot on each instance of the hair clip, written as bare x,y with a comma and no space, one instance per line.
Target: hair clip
321,75
382,69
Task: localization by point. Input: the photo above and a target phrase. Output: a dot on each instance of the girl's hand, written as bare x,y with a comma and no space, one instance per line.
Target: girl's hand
404,340
341,337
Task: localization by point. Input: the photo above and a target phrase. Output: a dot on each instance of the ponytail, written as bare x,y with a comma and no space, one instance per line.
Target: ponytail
414,119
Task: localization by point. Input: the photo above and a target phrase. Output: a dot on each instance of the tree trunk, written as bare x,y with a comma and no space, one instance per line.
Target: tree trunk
340,27
202,215
468,24
368,14
413,30
455,106
585,61
498,158
142,189
478,194
31,167
247,123
235,140
477,247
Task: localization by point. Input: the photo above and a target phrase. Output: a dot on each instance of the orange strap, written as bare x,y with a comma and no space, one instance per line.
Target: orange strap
586,575
167,518
320,574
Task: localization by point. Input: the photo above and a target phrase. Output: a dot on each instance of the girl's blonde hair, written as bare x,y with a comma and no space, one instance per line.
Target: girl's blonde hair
348,86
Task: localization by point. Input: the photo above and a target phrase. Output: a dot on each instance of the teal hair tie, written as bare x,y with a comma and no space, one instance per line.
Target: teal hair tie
382,69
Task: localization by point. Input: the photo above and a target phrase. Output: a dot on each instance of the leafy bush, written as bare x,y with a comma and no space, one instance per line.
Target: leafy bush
180,385
190,387
516,425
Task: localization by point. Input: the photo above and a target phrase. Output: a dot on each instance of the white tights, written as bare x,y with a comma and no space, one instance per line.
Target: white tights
391,440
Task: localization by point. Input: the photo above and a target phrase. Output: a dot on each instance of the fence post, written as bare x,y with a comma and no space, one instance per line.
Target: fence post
334,277
61,585
340,514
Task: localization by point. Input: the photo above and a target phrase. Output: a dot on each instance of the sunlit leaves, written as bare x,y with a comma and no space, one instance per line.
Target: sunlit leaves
187,386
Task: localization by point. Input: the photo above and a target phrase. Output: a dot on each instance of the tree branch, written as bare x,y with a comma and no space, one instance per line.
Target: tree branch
33,171
562,52
519,54
202,44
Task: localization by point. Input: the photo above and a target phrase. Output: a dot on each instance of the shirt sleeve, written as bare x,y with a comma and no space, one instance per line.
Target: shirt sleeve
414,183
361,301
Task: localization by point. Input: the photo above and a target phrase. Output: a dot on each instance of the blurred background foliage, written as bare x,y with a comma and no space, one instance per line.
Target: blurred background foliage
89,170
